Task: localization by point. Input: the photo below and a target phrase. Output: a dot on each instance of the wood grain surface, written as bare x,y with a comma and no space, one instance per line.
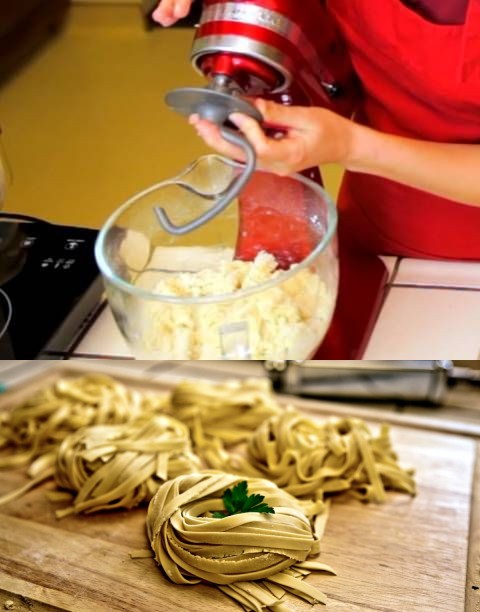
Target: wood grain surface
406,555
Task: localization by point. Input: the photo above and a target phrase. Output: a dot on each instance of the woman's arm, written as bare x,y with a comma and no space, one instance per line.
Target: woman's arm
447,170
317,136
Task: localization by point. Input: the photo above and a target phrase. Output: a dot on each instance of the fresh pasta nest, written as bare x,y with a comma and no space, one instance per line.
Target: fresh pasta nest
308,458
111,466
224,412
38,425
254,558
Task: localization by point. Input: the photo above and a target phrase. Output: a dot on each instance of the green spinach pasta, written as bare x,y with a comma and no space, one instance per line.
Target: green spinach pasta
254,558
226,413
309,458
112,466
36,427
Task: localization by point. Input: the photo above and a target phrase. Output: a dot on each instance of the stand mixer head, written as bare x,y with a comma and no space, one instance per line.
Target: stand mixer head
281,49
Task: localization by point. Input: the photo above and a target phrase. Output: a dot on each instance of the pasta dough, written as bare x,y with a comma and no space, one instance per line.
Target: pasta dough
254,558
286,320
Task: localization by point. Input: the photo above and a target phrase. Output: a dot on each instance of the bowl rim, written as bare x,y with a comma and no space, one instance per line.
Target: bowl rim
284,275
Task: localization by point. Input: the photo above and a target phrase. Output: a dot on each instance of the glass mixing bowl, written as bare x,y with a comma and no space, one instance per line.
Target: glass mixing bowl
259,281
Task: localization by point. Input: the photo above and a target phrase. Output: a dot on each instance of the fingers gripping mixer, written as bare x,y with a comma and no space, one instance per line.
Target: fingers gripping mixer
285,50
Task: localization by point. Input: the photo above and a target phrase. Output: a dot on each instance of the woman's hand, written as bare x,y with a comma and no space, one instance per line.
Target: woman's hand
312,136
170,11
316,136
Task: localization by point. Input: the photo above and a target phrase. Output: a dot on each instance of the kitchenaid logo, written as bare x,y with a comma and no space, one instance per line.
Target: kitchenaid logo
248,13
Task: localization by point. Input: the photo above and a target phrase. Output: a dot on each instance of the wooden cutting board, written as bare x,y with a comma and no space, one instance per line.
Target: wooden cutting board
407,555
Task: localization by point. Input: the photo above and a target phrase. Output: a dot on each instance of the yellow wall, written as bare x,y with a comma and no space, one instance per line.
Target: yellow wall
84,121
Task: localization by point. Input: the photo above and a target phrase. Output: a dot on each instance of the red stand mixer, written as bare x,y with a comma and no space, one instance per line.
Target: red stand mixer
178,290
273,49
288,51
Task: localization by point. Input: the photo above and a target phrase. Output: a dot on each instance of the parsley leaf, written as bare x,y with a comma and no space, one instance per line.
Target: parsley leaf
237,501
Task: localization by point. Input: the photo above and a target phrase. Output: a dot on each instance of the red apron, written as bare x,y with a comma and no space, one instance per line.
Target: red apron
420,80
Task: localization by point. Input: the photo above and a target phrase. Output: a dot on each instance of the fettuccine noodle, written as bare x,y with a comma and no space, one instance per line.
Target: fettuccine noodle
225,412
254,558
112,466
308,458
37,426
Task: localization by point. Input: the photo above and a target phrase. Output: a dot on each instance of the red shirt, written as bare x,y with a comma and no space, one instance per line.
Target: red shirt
445,11
421,79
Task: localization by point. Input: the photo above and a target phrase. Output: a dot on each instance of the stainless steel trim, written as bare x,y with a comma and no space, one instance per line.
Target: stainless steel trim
251,14
231,43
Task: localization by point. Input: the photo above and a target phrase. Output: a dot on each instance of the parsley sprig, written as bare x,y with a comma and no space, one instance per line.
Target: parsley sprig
238,501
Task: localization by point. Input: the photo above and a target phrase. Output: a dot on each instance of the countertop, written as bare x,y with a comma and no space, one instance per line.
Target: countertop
431,311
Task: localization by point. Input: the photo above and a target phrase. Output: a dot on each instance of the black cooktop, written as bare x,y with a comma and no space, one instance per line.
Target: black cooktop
49,287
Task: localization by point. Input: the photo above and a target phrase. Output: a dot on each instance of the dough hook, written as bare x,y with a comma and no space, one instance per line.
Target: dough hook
216,106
